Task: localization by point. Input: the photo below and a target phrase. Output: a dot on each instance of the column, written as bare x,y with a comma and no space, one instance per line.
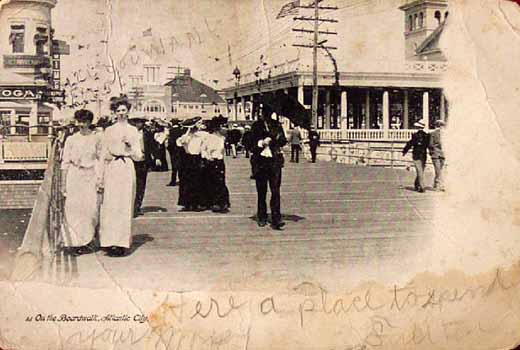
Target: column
13,121
33,119
443,107
386,113
235,108
344,110
426,109
243,103
326,124
367,110
406,110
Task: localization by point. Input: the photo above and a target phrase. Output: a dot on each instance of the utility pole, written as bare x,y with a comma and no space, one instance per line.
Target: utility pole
316,44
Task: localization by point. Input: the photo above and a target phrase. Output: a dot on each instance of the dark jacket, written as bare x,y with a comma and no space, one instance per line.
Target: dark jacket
419,142
233,136
277,135
435,145
148,147
314,139
247,140
175,133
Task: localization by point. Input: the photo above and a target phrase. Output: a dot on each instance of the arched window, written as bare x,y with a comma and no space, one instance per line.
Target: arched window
446,14
438,16
421,20
410,23
154,106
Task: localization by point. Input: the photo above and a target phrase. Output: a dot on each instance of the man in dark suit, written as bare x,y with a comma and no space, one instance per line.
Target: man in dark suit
437,154
419,142
314,142
175,151
268,138
144,164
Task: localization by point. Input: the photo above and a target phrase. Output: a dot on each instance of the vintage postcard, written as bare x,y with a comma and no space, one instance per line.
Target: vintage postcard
259,174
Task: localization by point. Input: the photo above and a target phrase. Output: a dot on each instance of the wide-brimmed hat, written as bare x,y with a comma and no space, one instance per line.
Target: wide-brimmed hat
137,118
419,124
174,122
440,123
161,122
190,122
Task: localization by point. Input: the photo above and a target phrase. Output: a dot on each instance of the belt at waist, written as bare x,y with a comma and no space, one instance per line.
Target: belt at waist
123,158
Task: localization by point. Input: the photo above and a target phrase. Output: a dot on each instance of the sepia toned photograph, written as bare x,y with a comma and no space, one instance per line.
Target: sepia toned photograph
259,174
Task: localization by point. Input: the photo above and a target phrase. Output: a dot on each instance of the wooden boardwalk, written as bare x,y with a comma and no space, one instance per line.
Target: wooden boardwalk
341,221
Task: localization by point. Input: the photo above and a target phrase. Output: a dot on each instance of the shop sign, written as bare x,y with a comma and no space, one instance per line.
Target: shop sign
26,61
20,93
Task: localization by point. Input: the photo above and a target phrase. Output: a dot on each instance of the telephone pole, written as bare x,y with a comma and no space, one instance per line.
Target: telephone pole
316,44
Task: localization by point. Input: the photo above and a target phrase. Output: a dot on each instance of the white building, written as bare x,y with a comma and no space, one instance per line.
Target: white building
26,77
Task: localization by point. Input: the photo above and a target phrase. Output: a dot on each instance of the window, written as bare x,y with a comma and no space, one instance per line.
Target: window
154,107
438,16
421,20
41,39
43,120
415,20
22,120
5,122
446,14
410,23
152,74
17,37
174,109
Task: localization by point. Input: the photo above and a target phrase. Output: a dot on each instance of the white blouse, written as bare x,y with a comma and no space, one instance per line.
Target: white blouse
213,147
82,151
121,139
192,141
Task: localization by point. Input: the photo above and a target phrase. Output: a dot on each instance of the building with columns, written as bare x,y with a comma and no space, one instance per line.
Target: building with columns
29,73
365,100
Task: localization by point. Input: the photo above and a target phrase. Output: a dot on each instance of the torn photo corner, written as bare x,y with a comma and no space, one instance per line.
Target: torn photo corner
387,215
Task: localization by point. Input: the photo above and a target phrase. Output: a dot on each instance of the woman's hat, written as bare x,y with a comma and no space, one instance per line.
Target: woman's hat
138,118
190,122
419,124
440,123
161,122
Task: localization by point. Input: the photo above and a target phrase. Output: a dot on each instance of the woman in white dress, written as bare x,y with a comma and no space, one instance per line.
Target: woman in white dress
80,169
120,146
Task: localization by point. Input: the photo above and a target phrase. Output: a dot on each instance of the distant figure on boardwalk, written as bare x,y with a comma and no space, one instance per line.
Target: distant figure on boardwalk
160,137
121,146
191,196
80,167
175,151
247,140
268,140
314,142
214,171
233,137
142,164
295,139
419,142
437,154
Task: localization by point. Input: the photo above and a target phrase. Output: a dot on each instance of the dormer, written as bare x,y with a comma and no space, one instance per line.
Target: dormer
422,19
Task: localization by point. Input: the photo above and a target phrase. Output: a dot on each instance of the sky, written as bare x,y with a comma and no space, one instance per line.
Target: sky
213,36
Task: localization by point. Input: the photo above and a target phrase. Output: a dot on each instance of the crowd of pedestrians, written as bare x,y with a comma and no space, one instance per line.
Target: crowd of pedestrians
105,168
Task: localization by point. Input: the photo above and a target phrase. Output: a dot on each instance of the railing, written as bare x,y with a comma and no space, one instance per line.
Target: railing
18,144
43,234
345,135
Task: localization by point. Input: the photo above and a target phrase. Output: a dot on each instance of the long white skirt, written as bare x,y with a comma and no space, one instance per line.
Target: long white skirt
117,208
81,210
